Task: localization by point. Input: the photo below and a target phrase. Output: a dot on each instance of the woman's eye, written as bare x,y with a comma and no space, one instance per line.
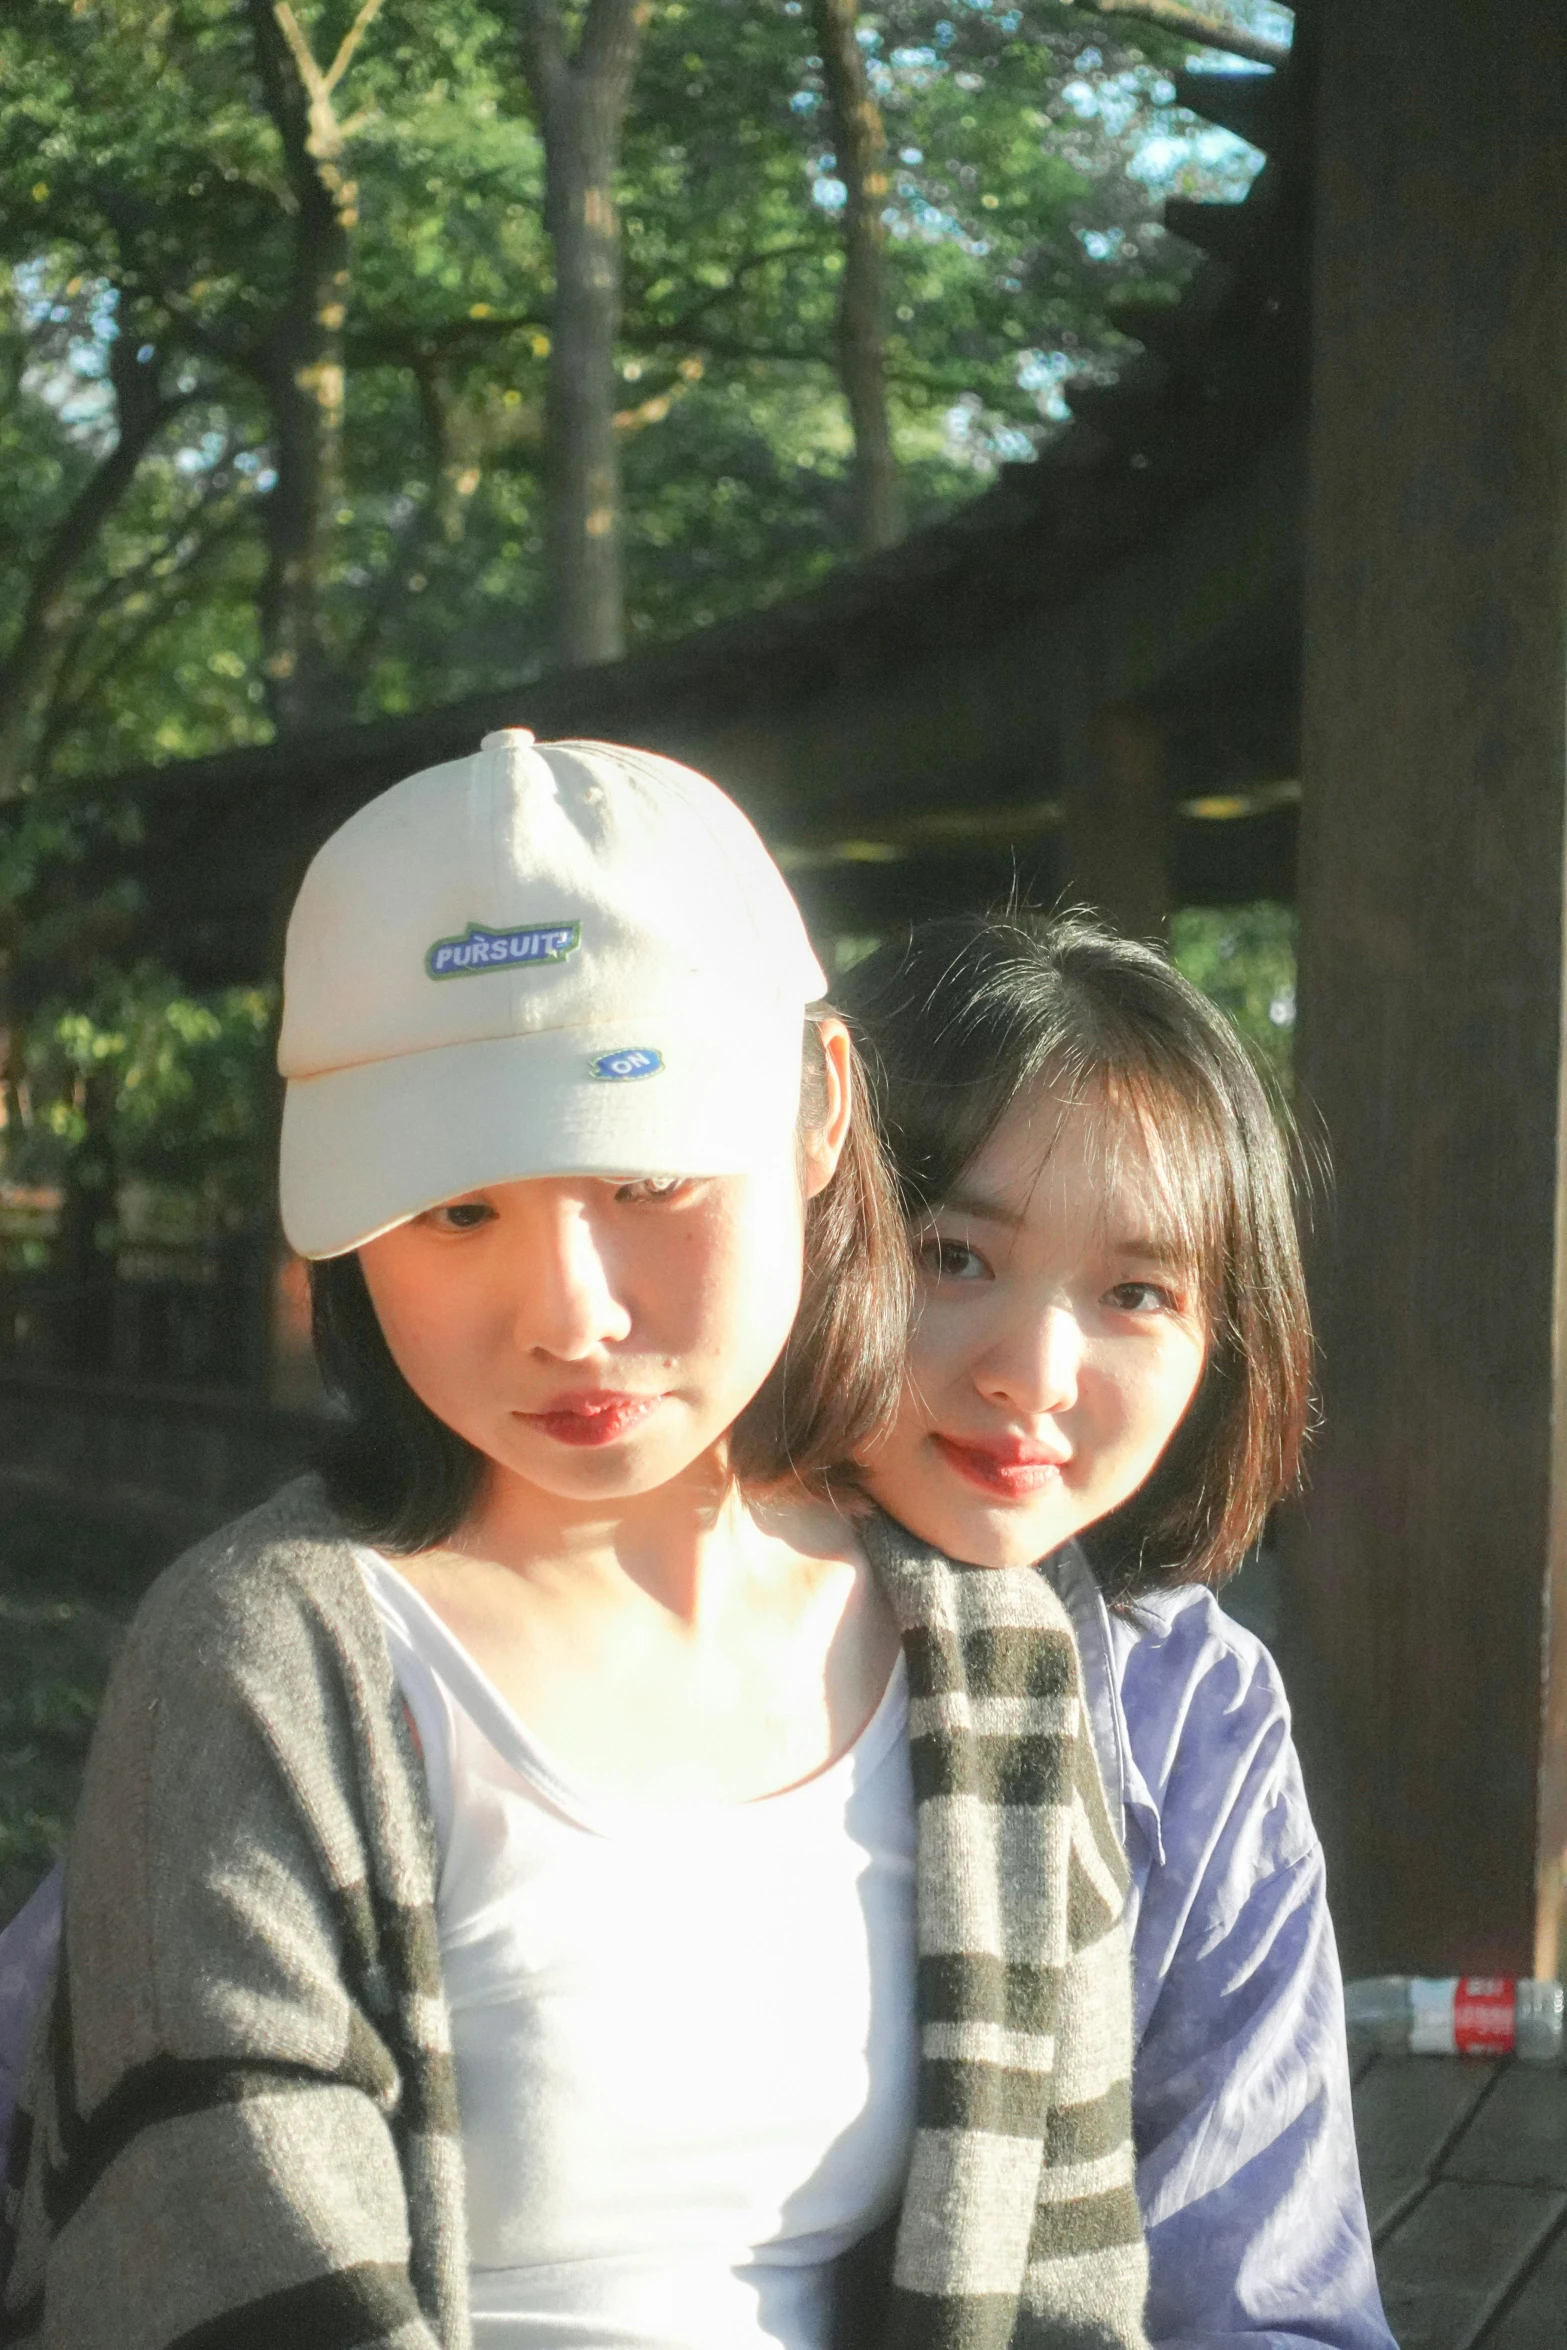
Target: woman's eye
651,1188
950,1260
1142,1297
460,1215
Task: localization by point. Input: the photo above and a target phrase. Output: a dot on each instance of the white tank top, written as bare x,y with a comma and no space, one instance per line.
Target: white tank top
684,2038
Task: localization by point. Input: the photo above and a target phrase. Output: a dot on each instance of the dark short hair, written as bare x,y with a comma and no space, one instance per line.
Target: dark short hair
401,1478
970,1011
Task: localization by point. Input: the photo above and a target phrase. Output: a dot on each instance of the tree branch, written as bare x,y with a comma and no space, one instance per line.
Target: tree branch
406,343
304,56
931,381
804,249
68,707
139,228
1189,24
143,411
100,609
328,136
418,528
350,42
662,334
220,491
655,406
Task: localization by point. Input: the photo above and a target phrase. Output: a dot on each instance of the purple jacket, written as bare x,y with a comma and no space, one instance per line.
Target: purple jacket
1247,2173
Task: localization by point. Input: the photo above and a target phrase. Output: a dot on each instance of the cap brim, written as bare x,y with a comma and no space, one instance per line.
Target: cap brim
366,1148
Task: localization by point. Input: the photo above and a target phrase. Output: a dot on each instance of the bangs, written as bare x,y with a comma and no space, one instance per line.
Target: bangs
1160,1136
1160,1149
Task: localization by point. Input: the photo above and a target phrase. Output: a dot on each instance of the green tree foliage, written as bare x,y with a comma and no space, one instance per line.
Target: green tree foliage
1243,957
149,200
147,220
175,1090
153,267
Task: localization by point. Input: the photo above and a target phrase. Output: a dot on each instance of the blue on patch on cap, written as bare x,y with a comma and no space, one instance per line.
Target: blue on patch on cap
483,949
636,1060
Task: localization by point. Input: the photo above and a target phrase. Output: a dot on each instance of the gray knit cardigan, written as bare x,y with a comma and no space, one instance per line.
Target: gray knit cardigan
240,2130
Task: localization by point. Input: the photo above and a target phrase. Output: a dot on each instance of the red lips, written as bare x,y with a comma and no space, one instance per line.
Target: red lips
593,1417
1009,1467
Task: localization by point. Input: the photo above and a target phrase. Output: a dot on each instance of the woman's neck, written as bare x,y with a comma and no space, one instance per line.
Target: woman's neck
691,1643
678,1546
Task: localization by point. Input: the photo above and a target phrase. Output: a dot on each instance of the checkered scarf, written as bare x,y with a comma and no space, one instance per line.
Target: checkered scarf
1019,2222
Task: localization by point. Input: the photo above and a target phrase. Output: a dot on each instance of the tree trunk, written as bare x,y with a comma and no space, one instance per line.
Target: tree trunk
581,102
303,379
301,367
860,144
583,463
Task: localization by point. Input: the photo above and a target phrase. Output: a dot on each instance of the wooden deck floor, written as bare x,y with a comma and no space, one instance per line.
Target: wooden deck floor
1465,2170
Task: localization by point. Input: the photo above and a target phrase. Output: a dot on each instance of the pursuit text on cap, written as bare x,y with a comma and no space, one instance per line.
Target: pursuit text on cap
479,949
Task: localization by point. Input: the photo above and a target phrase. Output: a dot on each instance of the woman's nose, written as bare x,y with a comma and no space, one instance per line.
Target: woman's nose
1035,1366
568,1303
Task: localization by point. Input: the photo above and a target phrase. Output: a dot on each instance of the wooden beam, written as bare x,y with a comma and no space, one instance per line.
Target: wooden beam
1429,1560
226,839
1119,821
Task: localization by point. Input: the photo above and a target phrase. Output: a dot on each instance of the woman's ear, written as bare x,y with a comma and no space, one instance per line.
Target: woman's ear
823,1145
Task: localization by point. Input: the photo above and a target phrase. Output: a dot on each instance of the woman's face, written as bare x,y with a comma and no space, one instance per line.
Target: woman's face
1057,1344
594,1338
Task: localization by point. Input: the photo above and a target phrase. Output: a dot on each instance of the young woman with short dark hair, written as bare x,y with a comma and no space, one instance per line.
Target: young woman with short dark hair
1110,1374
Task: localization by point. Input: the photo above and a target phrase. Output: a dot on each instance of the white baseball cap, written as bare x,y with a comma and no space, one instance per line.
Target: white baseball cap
545,959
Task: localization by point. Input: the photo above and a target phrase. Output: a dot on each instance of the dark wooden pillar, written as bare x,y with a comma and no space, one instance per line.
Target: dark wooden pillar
1118,821
1427,1566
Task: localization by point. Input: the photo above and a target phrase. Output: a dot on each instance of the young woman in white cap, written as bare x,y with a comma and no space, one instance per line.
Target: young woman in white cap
560,1883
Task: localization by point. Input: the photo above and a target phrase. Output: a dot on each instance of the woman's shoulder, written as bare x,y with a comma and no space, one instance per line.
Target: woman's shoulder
259,1642
286,1564
1206,1725
1183,1644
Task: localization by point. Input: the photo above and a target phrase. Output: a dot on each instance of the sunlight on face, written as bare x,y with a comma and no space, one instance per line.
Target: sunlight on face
1056,1349
594,1338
